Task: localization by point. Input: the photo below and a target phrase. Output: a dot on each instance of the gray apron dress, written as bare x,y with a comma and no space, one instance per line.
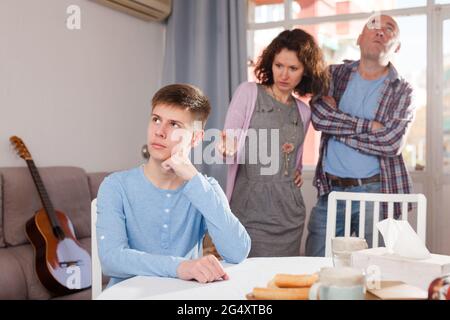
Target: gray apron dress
271,207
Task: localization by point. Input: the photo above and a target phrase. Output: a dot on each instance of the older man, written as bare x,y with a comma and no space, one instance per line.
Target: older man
364,123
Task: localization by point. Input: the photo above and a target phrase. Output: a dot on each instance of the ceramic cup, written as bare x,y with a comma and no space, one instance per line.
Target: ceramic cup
339,283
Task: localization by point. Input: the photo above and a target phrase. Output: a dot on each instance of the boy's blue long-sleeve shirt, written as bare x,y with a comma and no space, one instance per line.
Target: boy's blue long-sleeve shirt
144,230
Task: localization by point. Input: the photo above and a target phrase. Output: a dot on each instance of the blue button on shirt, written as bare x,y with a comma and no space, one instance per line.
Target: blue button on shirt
144,230
360,99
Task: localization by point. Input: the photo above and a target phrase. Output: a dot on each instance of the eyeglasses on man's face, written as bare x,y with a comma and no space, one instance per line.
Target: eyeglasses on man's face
388,27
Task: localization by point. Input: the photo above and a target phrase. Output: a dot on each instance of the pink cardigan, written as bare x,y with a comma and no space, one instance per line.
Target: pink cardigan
238,117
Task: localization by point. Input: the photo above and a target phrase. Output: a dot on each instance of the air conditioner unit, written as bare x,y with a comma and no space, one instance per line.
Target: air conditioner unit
150,10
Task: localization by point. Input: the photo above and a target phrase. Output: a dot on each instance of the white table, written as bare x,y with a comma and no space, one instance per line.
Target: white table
253,272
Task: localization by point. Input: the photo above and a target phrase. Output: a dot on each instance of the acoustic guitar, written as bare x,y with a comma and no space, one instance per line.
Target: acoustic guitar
62,265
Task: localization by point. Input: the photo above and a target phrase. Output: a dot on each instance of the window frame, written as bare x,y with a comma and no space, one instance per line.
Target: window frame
434,14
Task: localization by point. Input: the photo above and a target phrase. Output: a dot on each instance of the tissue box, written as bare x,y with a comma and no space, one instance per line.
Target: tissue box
418,273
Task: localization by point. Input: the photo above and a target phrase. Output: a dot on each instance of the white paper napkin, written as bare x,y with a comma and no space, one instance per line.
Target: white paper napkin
400,239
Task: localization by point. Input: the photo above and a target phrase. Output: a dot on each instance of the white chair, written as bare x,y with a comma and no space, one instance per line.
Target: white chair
96,267
376,198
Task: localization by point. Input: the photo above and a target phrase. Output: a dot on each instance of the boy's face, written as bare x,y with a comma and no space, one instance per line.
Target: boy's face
170,128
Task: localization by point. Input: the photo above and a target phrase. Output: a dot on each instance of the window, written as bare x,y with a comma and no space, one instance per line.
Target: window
336,26
307,8
256,44
261,11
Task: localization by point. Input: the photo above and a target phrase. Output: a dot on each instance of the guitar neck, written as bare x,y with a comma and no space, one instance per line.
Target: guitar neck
46,203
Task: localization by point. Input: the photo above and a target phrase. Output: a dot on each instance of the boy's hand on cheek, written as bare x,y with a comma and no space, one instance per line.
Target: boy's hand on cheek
180,164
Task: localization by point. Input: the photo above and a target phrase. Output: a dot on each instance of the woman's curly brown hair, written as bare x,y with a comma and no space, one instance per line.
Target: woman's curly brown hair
315,78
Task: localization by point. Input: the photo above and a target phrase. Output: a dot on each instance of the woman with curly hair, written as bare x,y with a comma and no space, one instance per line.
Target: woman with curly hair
269,203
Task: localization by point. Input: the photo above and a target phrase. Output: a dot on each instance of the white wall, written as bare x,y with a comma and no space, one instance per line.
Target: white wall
79,97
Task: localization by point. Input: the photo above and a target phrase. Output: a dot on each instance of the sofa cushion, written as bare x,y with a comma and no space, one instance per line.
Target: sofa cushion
95,179
2,239
25,256
12,277
67,188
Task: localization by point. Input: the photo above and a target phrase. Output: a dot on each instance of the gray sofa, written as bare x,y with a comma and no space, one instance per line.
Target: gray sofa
71,190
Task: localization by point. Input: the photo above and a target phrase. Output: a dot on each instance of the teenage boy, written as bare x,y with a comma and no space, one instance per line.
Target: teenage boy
152,219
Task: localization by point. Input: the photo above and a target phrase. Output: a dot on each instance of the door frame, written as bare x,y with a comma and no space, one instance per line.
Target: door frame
436,179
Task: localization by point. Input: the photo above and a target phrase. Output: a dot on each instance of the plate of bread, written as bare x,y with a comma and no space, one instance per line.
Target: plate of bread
285,287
